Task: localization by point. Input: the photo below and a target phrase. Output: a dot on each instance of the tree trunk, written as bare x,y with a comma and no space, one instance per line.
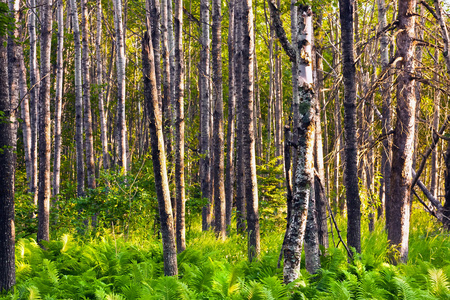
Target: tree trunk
44,124
230,170
159,158
7,168
34,98
58,98
248,132
121,85
403,141
434,159
89,139
351,150
386,121
101,105
205,101
78,100
179,128
167,83
218,140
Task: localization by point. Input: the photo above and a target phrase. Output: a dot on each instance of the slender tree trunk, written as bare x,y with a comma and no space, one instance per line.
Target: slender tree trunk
159,158
101,105
167,83
351,150
78,101
44,123
218,138
248,132
434,158
58,98
240,185
230,170
34,98
7,169
121,85
403,142
179,128
89,139
25,114
386,121
205,109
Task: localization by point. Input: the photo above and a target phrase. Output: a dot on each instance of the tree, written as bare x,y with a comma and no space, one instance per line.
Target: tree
87,117
403,140
205,99
229,168
248,131
44,123
351,146
179,128
58,98
78,100
101,105
121,85
159,158
7,169
218,136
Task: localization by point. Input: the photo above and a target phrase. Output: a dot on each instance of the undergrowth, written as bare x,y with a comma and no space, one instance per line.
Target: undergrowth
120,267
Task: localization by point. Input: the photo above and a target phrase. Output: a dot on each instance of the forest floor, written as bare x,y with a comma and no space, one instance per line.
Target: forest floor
107,266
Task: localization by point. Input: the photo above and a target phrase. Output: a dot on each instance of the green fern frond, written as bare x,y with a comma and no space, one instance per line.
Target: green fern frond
52,271
274,288
33,293
439,285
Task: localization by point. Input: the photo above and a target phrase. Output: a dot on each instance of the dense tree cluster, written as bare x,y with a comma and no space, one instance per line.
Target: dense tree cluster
347,100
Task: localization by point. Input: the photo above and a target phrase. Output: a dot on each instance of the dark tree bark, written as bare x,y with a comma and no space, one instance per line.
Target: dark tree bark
351,150
218,138
248,132
159,158
44,123
179,128
7,169
403,141
205,110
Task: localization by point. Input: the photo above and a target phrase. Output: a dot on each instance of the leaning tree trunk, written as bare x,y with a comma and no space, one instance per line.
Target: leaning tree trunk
7,169
403,141
218,140
78,101
179,128
89,139
44,124
159,158
58,98
121,86
204,74
351,149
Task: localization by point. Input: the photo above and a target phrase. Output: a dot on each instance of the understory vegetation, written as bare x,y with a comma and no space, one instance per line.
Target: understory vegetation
112,262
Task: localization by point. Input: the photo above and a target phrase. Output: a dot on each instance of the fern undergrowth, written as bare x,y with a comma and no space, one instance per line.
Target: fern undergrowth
115,267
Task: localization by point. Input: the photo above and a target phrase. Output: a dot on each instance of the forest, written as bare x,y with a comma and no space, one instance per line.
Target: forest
239,149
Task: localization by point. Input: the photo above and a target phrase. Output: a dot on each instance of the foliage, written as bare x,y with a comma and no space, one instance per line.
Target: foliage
112,267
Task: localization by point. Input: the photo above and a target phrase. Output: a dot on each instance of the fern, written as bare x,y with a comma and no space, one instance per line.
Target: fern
439,285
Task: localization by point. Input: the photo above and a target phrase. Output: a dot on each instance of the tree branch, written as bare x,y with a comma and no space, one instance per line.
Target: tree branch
279,30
